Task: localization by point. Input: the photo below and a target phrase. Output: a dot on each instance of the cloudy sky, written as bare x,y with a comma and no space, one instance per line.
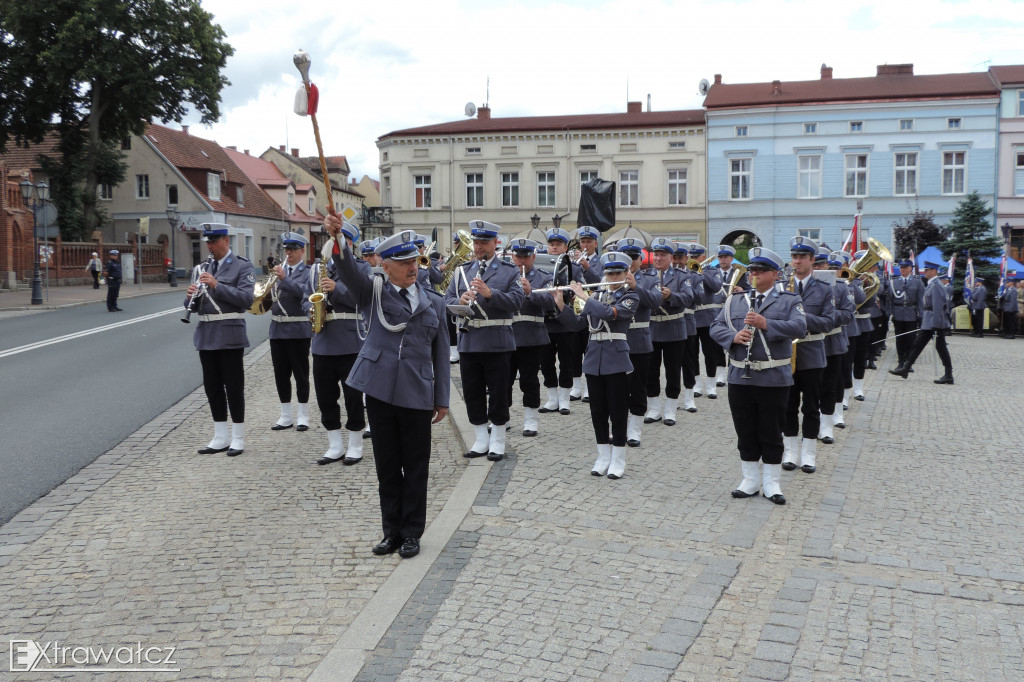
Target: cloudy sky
384,66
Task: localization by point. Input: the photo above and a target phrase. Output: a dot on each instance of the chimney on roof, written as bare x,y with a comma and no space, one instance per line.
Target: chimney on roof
280,147
718,79
184,129
295,152
776,87
483,113
232,147
634,107
247,152
895,70
826,73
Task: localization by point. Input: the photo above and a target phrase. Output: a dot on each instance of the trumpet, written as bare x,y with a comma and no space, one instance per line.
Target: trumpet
194,301
318,311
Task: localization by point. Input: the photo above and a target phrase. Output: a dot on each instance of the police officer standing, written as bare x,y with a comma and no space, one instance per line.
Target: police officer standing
906,296
668,331
220,337
1008,311
977,305
113,280
726,264
935,322
491,289
836,347
758,329
565,384
290,332
404,371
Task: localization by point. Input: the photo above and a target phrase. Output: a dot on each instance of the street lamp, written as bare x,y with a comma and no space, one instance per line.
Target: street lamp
1006,228
172,218
41,196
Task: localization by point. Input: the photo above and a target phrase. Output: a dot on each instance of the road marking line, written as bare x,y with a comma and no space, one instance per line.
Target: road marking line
87,332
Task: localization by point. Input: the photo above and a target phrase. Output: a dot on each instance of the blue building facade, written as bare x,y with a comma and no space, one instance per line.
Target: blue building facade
797,158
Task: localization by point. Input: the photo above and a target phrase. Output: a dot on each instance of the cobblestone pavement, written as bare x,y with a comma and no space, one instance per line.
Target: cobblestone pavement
900,558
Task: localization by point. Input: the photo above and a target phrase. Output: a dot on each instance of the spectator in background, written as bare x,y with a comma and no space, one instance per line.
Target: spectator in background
95,267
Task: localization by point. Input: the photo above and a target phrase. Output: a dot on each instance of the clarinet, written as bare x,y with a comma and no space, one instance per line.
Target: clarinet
193,302
750,344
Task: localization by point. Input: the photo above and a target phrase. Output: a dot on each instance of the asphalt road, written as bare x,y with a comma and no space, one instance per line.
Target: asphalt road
65,403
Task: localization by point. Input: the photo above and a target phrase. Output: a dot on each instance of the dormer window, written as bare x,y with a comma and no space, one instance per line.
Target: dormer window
240,196
213,186
312,206
291,202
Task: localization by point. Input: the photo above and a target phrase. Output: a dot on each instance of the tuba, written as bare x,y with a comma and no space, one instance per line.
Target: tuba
262,301
876,251
463,254
318,299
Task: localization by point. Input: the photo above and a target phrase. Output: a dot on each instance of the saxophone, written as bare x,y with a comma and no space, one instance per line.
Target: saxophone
318,299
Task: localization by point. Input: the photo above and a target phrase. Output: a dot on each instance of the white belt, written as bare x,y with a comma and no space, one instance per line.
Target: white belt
709,306
607,336
220,316
759,365
343,316
503,322
666,318
282,318
639,325
811,337
688,311
528,318
862,316
836,330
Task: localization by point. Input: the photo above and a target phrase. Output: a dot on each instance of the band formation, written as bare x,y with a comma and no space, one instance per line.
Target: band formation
638,332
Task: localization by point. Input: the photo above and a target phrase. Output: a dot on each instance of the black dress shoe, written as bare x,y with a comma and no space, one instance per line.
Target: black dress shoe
808,469
366,434
945,379
349,461
585,398
739,494
472,454
900,372
633,443
278,427
859,398
208,451
670,422
777,499
872,365
563,410
614,477
232,452
529,434
328,460
120,310
574,398
305,427
691,410
494,456
719,384
697,394
410,548
649,420
544,410
828,440
387,545
712,396
788,466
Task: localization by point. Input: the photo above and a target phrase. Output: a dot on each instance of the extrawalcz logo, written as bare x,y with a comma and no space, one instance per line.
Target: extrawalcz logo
27,655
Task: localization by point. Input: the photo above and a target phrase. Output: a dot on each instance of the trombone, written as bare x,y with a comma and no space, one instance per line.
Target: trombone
595,285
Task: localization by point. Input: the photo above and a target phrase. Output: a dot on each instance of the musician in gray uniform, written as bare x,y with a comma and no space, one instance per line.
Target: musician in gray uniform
490,288
757,329
668,331
430,275
977,305
403,370
862,346
726,267
566,384
645,285
706,288
607,315
223,292
836,347
853,332
290,332
691,344
1008,312
935,322
530,332
704,285
805,394
335,349
590,263
906,296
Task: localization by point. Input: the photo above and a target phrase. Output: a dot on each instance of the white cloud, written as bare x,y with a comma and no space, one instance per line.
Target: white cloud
403,64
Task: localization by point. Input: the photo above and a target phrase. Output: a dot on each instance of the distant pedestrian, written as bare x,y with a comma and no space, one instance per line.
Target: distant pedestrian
977,306
95,267
1008,310
113,280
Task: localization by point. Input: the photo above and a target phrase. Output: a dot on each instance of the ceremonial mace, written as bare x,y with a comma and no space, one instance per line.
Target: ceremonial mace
306,106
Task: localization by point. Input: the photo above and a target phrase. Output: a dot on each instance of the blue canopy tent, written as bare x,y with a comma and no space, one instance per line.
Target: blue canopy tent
933,254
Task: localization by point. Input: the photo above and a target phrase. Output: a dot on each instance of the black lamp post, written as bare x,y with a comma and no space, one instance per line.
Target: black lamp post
557,221
1006,228
172,218
535,221
38,199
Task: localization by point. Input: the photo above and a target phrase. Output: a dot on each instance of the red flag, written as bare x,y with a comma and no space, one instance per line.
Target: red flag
854,239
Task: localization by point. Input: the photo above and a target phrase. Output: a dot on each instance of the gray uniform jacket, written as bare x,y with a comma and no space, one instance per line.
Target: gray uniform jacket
836,342
113,270
608,322
978,297
936,306
430,275
288,315
694,280
726,276
786,322
907,296
593,274
556,323
492,334
857,291
884,294
639,335
820,314
863,313
667,320
342,335
706,287
407,368
231,297
1008,302
528,324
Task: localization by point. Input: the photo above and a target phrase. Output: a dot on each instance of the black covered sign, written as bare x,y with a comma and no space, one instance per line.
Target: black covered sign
597,205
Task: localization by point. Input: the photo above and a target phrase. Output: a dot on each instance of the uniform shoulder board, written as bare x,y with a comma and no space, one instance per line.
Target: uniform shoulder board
243,258
788,293
432,290
542,271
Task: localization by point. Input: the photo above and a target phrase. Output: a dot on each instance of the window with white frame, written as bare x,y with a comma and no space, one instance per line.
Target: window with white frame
106,191
629,188
856,126
954,167
741,131
906,124
810,233
905,174
142,187
740,176
587,175
1018,173
472,151
240,196
546,189
856,168
588,148
954,123
810,129
312,206
213,186
1020,102
509,189
291,202
385,183
677,182
808,176
474,190
421,190
677,145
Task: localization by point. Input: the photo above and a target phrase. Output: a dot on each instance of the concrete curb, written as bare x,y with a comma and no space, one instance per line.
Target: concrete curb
76,304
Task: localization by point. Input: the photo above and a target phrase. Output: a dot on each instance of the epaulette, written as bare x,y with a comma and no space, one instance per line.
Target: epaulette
243,258
542,270
789,293
432,290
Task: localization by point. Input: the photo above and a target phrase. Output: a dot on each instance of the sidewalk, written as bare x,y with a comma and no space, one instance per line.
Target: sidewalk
899,559
68,296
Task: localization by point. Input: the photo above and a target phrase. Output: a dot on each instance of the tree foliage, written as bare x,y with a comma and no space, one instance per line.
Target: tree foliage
96,72
916,233
971,234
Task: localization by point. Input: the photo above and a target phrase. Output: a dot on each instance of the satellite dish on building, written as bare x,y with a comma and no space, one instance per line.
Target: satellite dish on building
703,86
470,109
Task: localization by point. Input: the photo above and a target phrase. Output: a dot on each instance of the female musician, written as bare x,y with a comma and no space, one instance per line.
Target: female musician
606,363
